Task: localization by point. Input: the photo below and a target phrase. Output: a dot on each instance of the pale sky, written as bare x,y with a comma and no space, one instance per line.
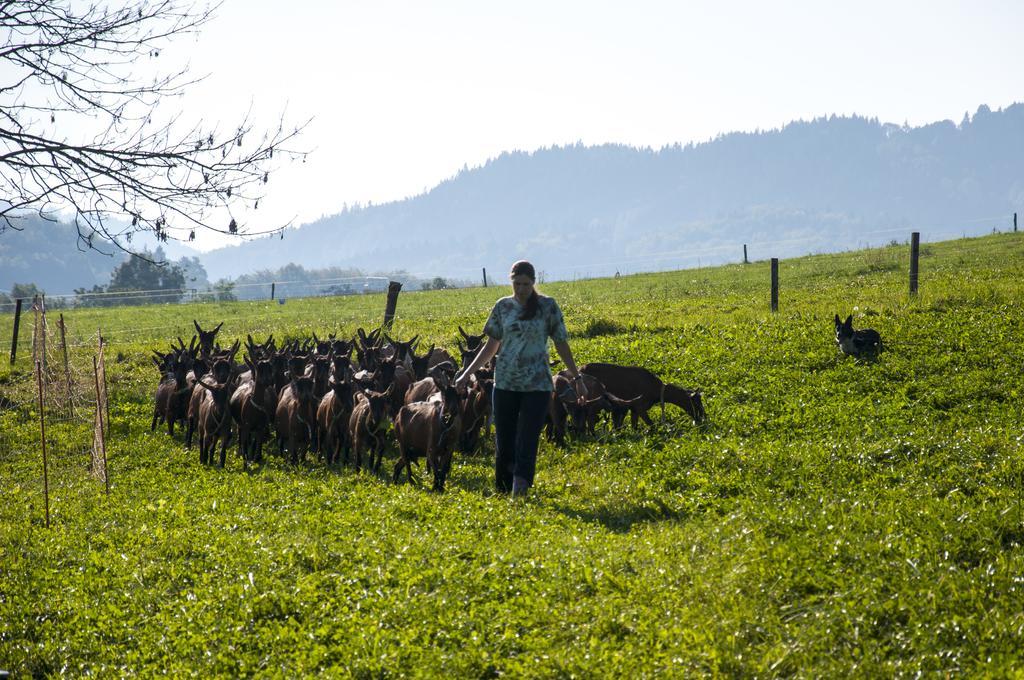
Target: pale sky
405,93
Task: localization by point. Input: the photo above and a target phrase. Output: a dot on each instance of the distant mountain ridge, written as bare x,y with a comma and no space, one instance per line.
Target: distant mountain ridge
823,185
827,184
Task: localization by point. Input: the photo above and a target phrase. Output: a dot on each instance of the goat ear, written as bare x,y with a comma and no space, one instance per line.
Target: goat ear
849,321
464,334
838,322
196,324
218,327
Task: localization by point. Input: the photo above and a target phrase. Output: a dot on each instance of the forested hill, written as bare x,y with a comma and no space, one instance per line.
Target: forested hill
823,185
828,184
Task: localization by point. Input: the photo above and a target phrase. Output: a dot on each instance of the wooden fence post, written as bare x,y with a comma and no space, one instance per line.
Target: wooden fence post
17,324
103,371
745,260
272,291
485,274
64,352
394,288
42,439
1015,221
775,284
99,421
915,242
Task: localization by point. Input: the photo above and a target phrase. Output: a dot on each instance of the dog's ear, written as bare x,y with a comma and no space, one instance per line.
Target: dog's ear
849,322
838,322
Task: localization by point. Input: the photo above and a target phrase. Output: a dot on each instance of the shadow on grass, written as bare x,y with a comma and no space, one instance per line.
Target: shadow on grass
621,517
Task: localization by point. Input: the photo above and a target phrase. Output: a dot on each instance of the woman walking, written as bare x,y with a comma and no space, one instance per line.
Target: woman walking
520,325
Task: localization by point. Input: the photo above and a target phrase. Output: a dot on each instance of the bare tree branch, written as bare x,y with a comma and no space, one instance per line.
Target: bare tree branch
66,59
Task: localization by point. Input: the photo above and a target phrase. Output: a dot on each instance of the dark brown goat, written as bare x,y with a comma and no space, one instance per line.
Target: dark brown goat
295,418
332,421
476,410
253,406
173,392
214,421
429,429
473,342
439,355
421,390
367,425
206,338
320,371
199,369
421,364
630,382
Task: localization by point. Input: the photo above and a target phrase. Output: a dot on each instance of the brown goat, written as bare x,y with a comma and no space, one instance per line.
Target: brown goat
206,338
430,429
295,418
439,355
199,369
367,425
173,393
476,411
630,382
214,421
253,406
332,421
421,390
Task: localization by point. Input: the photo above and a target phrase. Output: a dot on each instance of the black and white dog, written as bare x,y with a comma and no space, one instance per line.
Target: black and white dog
866,342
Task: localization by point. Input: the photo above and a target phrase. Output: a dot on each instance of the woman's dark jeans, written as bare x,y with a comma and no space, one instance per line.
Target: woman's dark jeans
518,420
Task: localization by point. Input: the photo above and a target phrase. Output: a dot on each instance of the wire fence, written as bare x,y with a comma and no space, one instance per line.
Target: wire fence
268,290
58,409
643,262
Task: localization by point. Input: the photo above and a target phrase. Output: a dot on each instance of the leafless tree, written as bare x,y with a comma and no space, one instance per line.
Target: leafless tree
73,65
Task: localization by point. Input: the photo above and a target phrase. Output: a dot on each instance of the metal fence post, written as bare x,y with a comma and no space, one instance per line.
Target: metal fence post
775,284
915,242
17,324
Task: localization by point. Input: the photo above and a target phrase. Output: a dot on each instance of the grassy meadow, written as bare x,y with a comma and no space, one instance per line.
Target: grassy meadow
835,518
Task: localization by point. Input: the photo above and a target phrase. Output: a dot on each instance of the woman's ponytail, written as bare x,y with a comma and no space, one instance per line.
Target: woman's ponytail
530,309
524,268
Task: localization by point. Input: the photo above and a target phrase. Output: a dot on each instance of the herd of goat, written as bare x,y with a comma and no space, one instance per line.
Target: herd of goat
315,397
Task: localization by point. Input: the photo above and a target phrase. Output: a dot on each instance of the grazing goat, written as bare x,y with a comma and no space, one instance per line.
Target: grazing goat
295,418
865,342
367,425
332,421
430,429
629,382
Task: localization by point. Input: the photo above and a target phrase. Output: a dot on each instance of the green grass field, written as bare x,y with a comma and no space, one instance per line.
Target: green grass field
836,518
